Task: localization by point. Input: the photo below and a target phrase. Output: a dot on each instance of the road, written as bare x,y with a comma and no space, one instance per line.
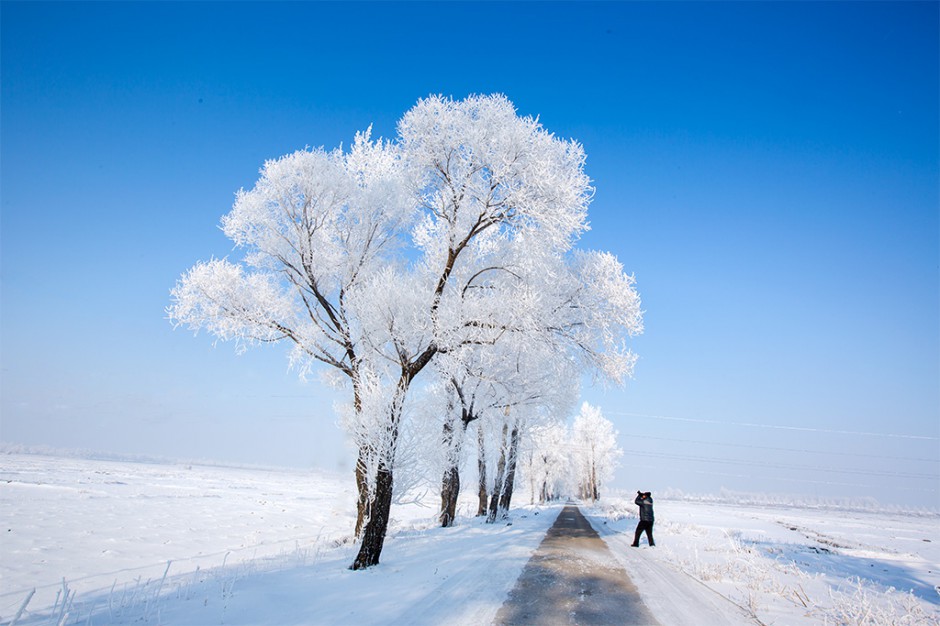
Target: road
572,578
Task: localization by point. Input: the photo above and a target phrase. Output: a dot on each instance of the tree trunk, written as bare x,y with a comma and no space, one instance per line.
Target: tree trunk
449,491
531,482
380,504
373,537
481,467
362,477
362,484
450,483
594,492
506,496
500,477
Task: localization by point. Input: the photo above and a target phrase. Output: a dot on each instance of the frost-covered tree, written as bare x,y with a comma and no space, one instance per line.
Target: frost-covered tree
469,398
502,389
316,229
548,462
545,387
595,450
378,261
494,190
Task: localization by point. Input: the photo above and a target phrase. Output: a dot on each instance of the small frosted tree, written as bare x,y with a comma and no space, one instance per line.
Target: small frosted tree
469,397
595,450
548,462
503,389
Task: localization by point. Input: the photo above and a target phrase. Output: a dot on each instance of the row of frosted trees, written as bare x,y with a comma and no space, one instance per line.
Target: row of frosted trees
563,461
434,277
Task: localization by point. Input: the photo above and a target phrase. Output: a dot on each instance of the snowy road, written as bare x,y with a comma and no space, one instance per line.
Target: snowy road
572,578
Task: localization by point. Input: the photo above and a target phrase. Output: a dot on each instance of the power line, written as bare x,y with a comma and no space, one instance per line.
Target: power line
790,479
744,445
774,426
681,457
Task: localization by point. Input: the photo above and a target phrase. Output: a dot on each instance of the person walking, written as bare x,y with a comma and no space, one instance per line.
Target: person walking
644,499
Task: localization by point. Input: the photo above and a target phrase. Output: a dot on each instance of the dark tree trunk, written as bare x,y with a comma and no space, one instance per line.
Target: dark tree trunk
450,483
481,467
453,442
449,492
594,492
380,504
373,537
362,478
362,484
545,493
506,496
498,483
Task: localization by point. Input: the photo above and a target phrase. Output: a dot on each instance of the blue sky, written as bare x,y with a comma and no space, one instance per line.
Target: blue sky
769,171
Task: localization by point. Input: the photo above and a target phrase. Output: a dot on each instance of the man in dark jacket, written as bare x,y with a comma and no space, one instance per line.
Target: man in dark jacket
644,499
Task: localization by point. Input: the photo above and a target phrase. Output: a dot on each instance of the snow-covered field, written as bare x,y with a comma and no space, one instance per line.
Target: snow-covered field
784,565
105,542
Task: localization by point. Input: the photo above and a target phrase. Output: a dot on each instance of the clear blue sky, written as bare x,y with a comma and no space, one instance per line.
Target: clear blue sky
768,171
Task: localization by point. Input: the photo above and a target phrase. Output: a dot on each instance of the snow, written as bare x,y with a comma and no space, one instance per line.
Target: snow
783,565
109,542
244,546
